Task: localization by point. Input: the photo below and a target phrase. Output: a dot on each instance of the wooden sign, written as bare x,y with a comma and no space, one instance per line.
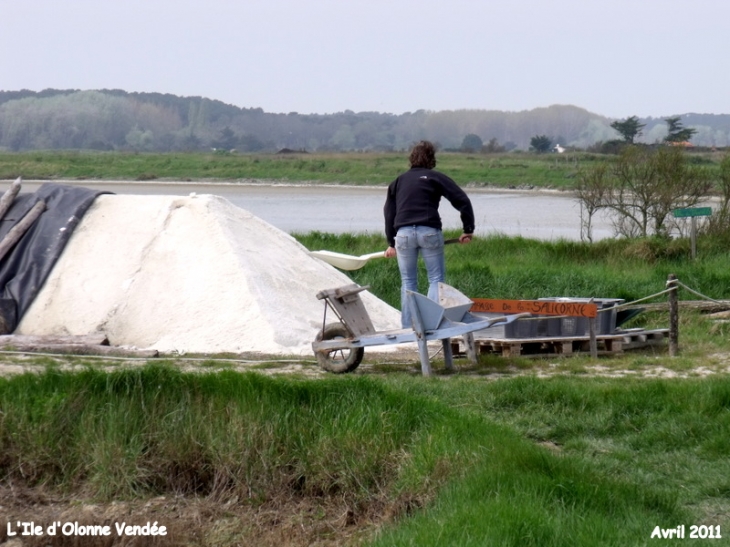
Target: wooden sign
537,307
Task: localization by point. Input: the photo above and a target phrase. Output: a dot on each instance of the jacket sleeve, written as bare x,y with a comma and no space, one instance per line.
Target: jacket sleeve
461,202
389,211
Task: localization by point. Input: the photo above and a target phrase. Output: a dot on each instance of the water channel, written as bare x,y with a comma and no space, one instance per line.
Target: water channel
532,214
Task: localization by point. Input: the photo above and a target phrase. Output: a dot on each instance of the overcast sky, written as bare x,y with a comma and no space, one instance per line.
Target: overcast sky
617,58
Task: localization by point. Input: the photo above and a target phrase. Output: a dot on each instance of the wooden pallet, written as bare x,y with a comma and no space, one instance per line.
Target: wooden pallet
640,338
537,347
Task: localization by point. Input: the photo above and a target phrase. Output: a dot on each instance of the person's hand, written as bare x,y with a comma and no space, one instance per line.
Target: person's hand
465,238
390,252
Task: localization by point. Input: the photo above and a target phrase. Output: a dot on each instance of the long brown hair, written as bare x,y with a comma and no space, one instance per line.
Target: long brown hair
423,154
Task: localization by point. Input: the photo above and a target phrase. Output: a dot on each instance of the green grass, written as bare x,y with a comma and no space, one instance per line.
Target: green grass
660,443
506,170
156,430
564,461
517,268
503,170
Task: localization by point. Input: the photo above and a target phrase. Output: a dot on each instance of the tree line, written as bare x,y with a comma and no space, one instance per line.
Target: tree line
120,120
630,129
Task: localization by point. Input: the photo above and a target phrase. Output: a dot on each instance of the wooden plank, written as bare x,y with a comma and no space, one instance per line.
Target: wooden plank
564,348
509,350
99,339
642,339
702,306
614,345
9,196
84,349
88,344
536,307
17,231
545,339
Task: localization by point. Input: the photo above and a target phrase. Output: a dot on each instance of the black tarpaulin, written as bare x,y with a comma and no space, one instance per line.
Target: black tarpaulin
26,266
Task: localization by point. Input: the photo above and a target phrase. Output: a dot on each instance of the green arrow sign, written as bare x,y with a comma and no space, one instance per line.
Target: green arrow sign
693,212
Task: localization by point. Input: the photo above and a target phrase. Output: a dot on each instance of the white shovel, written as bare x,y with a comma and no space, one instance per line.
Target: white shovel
350,262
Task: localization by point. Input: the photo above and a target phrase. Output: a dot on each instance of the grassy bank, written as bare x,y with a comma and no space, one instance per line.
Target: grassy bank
662,443
506,170
518,462
500,170
517,268
497,170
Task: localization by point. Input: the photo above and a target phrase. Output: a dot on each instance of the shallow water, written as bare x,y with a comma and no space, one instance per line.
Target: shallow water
341,209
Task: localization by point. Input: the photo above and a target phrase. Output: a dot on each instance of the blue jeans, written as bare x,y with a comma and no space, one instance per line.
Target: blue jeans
409,242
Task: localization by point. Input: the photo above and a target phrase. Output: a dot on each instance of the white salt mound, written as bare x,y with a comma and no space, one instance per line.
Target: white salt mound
190,274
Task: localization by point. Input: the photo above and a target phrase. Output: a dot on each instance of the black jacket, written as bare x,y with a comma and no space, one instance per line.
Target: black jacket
413,200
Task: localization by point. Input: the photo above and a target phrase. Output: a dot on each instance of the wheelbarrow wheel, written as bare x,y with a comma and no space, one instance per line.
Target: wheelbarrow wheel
338,360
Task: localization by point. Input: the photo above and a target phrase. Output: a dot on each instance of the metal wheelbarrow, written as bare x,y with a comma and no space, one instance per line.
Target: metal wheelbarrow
339,347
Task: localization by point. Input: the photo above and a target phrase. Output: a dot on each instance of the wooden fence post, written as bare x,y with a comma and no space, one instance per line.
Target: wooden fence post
593,341
673,315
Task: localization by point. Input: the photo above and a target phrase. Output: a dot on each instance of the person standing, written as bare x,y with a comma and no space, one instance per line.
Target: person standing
413,225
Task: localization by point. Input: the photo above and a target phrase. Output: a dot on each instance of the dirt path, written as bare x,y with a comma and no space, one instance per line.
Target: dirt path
184,521
404,359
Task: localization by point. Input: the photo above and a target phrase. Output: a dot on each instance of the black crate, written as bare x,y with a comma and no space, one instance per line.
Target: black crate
579,326
524,327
